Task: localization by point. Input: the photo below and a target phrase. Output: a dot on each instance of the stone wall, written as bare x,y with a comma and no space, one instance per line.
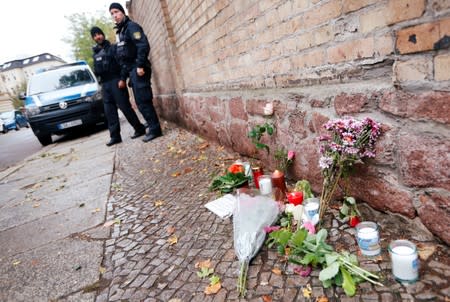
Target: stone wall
216,63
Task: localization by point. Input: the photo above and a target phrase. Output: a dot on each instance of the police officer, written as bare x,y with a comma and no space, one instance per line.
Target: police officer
115,92
132,52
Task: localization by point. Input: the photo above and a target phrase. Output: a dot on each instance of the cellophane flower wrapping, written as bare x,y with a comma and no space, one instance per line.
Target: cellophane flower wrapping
252,214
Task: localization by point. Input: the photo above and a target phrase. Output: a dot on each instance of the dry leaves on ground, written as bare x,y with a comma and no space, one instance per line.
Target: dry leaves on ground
159,203
267,298
425,250
213,289
172,240
204,264
171,230
276,271
307,291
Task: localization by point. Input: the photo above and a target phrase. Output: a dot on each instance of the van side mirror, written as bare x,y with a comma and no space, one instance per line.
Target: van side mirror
22,95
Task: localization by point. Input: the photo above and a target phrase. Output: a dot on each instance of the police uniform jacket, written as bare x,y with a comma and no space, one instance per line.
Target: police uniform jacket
133,47
106,66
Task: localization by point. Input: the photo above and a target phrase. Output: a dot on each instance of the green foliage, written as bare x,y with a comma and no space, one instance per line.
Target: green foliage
340,269
349,208
214,279
305,187
205,272
80,36
228,182
258,131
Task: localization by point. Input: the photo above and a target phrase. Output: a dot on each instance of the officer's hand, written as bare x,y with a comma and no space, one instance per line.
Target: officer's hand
121,84
140,71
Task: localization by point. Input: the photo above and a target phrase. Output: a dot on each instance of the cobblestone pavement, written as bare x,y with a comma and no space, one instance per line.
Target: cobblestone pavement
160,230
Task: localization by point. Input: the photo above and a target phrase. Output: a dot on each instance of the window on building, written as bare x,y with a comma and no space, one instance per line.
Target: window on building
35,59
26,61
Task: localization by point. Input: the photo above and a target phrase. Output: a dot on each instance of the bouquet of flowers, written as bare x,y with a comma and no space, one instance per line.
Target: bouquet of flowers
233,178
349,142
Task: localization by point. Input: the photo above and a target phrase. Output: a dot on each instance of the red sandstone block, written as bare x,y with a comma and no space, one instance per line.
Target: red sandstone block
346,104
417,38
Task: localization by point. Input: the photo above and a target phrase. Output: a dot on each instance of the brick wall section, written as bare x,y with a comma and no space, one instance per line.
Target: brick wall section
217,63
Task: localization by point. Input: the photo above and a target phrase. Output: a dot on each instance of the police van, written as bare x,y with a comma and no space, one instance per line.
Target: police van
62,98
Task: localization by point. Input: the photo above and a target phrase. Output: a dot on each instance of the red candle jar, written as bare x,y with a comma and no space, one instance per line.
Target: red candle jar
257,172
278,182
295,198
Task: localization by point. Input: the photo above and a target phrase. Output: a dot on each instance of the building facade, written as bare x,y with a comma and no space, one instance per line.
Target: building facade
15,74
217,63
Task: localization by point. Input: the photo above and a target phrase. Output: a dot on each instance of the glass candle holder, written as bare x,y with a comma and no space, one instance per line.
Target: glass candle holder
257,172
368,238
312,209
265,184
405,261
295,198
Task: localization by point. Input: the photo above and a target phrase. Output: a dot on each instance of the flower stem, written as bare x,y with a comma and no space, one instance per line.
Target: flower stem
242,280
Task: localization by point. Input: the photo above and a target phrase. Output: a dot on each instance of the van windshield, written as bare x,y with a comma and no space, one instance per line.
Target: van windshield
59,79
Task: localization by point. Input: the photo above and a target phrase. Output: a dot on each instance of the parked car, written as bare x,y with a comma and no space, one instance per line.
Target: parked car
13,120
62,98
2,127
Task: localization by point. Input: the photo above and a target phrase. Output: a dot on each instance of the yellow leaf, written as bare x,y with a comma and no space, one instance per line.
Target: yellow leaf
307,291
203,146
213,289
145,196
322,299
425,251
16,262
276,271
203,264
96,210
156,161
172,240
176,174
141,172
102,270
159,203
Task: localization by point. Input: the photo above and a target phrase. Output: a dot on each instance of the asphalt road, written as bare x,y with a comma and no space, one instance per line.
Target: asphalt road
16,146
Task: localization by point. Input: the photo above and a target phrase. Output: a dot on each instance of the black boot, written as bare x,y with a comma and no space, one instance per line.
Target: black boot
114,141
151,136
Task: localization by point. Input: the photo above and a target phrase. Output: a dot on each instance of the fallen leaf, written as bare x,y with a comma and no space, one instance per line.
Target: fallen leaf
276,271
159,203
36,205
36,186
425,251
34,262
145,196
96,210
188,170
16,262
102,270
322,299
214,280
171,230
117,221
176,174
203,146
172,240
267,298
156,161
213,289
141,172
203,264
307,291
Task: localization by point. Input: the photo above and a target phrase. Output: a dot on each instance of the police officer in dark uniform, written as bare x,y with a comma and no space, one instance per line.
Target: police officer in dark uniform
115,92
132,52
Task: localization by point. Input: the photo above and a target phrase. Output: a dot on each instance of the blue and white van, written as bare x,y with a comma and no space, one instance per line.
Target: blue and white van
62,98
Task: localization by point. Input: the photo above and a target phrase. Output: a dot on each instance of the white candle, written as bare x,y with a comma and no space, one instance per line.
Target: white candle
265,185
368,238
405,263
311,209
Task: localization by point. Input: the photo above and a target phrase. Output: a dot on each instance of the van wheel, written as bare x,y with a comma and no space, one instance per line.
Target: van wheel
17,126
45,139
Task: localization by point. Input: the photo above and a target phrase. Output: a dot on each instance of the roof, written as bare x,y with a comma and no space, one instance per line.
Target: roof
22,63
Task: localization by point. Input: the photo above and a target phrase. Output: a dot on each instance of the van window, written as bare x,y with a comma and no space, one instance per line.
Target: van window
59,79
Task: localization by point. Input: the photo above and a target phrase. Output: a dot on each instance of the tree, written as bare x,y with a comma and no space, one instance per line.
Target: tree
80,33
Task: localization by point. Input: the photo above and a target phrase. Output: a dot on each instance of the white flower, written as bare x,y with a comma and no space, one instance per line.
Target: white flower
268,109
297,211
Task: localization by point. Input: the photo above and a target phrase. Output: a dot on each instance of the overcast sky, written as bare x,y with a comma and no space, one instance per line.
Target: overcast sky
33,27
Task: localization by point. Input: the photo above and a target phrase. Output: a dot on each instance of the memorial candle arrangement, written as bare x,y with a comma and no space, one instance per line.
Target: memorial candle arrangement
405,261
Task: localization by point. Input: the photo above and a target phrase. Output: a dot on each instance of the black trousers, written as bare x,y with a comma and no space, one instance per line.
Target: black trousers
115,98
144,99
